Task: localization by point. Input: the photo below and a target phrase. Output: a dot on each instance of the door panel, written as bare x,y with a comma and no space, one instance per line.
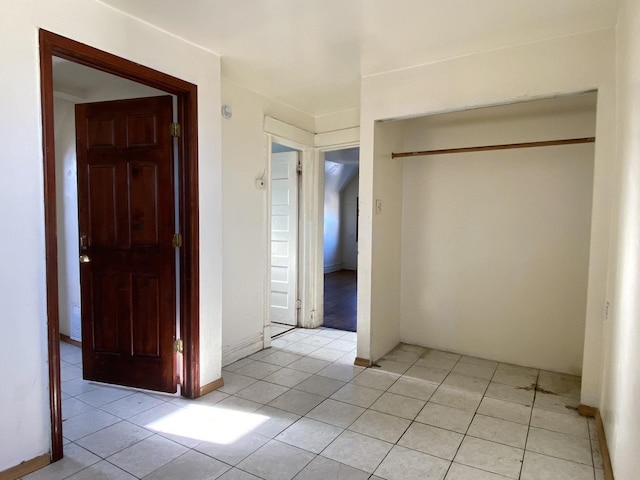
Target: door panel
284,237
126,213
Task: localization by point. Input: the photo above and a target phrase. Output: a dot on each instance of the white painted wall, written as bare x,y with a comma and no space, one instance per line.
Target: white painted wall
332,224
495,245
348,222
25,427
244,226
621,392
542,69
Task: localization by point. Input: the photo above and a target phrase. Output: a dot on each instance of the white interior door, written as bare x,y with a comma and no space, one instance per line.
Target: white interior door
284,237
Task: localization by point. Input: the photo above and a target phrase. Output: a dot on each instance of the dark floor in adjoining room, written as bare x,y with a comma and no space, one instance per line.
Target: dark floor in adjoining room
340,306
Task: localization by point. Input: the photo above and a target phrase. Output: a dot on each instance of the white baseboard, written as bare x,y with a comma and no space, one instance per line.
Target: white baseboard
244,348
349,266
332,268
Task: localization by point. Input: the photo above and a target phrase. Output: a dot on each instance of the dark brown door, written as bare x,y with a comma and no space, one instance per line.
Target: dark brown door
127,260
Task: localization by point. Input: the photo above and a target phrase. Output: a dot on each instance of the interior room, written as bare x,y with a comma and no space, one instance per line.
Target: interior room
495,237
340,238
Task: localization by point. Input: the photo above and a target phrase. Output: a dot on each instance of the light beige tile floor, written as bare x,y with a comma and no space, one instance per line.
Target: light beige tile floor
301,410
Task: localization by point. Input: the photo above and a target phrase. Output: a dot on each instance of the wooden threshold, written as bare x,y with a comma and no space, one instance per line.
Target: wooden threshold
362,362
25,468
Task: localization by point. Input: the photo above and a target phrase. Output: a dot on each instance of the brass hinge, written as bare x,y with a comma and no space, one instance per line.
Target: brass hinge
178,345
177,240
299,168
175,129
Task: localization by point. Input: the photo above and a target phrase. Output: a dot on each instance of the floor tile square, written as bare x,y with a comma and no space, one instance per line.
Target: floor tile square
429,374
513,412
413,387
102,471
499,431
132,405
309,435
472,370
114,438
87,423
243,362
375,379
357,395
380,425
72,406
309,365
277,421
78,387
297,401
358,451
102,395
233,452
262,392
146,456
452,397
463,472
322,468
276,461
326,354
515,379
438,359
481,362
405,464
490,456
258,370
287,377
555,403
398,405
510,393
320,385
543,467
281,359
445,417
234,382
560,445
238,404
432,440
336,413
192,465
463,382
345,373
570,423
392,367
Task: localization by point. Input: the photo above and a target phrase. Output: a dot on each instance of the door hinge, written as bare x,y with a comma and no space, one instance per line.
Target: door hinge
177,240
178,345
298,304
175,129
299,168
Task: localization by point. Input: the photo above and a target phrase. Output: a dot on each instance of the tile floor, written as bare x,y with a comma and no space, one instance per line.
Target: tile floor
302,410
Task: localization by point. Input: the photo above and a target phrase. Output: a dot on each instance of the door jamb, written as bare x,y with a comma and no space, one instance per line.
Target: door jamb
305,248
55,45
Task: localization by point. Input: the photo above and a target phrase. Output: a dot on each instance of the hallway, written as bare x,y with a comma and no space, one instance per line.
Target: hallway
340,300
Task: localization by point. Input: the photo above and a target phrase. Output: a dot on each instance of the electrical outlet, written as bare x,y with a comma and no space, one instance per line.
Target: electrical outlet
378,207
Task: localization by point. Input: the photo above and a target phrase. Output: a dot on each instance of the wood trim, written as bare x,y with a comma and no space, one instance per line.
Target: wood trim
604,449
507,146
67,339
25,468
362,362
186,93
210,387
587,411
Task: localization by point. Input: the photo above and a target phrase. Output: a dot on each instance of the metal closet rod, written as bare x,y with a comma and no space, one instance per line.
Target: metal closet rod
507,146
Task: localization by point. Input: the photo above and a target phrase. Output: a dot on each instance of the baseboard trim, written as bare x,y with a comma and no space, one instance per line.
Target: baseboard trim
210,387
25,468
362,362
246,347
68,339
587,411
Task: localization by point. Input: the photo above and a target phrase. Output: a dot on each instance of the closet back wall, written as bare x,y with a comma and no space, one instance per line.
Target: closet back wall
495,245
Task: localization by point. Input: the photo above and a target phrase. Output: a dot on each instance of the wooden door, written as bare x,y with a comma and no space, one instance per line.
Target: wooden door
127,259
284,238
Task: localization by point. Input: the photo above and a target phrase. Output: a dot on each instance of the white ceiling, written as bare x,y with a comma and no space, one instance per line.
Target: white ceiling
311,54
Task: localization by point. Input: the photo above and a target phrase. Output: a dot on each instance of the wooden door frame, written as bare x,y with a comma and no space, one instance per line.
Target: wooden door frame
55,45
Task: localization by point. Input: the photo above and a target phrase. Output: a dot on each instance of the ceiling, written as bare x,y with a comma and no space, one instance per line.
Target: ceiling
311,54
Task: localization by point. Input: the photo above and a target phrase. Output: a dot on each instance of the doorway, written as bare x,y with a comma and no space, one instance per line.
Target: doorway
284,304
341,183
56,47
